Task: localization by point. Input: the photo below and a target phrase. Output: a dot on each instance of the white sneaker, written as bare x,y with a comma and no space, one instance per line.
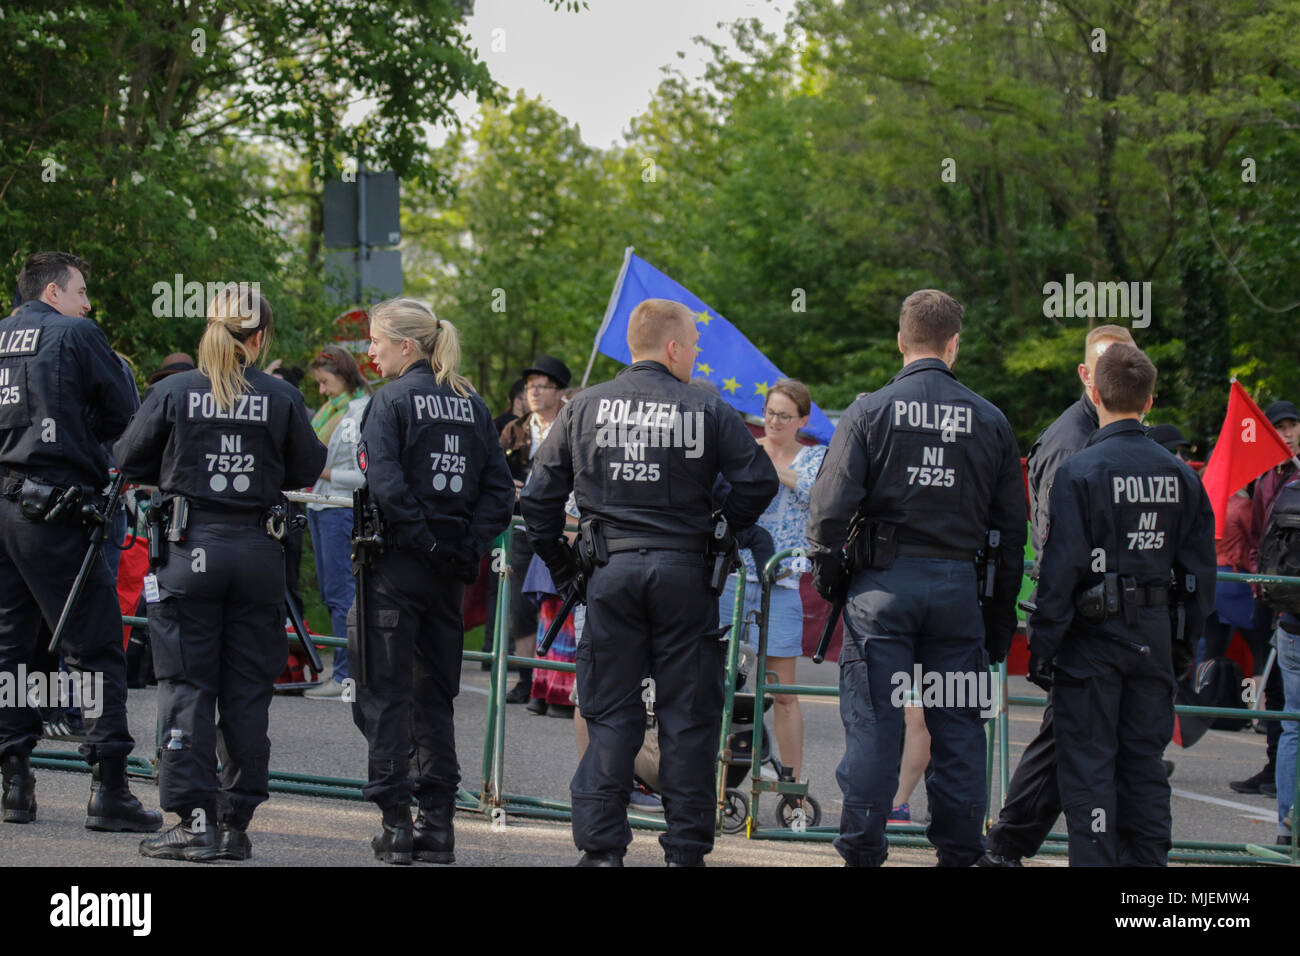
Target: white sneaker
330,690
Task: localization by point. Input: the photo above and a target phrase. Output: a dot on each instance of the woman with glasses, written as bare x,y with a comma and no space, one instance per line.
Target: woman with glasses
786,520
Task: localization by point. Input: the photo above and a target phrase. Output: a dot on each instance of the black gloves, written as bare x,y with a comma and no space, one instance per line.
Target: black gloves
460,561
829,577
999,630
1040,672
563,565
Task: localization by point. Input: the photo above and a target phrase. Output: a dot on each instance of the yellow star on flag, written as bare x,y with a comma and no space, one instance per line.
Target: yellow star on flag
705,317
730,384
704,368
761,388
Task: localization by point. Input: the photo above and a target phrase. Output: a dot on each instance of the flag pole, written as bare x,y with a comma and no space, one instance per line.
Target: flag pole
609,313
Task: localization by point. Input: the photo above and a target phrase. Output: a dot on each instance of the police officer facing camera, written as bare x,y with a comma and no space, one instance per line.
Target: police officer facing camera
436,472
221,442
1127,563
641,454
929,469
62,395
1032,804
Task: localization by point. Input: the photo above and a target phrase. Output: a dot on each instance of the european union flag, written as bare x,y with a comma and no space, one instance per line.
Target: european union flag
742,373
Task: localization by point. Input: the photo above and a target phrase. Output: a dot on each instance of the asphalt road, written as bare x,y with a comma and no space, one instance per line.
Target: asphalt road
318,737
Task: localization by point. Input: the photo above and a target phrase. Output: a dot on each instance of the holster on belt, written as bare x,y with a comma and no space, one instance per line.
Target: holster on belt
591,550
157,539
876,549
722,555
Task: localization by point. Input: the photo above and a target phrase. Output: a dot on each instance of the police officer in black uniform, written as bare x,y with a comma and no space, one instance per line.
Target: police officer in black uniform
1033,805
62,394
437,473
1123,515
641,454
221,442
931,468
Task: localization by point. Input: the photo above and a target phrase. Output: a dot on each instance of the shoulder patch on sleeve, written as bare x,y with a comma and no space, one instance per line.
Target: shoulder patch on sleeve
362,457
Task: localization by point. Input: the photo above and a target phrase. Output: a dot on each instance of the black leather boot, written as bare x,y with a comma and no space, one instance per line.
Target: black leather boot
434,837
600,859
233,842
394,845
112,806
184,842
19,803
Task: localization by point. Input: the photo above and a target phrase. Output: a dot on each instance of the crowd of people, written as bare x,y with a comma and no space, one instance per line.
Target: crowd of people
914,519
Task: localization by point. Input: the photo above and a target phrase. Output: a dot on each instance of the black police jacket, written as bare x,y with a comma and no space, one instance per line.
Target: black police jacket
233,460
1059,441
1125,505
928,454
433,465
62,395
642,453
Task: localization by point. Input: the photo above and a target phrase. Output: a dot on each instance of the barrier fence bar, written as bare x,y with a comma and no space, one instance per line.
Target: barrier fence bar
1183,850
492,795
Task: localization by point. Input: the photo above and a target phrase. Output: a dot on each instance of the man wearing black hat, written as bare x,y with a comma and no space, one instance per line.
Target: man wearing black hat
543,381
1170,439
1286,419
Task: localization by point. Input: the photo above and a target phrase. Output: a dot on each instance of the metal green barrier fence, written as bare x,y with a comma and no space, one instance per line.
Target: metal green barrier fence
493,800
1184,851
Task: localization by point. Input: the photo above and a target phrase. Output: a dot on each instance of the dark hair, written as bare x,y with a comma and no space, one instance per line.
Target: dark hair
517,389
42,268
291,374
928,319
339,361
1124,378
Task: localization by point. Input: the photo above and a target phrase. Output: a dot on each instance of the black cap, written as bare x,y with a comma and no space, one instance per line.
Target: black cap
1169,436
1280,411
550,366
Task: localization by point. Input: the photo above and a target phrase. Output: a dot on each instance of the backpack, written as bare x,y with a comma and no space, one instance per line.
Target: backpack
1219,684
1279,550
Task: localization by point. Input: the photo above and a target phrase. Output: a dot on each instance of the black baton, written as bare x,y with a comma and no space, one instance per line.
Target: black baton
97,534
824,645
553,631
301,631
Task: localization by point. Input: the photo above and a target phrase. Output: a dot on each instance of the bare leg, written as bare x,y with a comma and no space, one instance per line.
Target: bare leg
916,754
580,733
789,716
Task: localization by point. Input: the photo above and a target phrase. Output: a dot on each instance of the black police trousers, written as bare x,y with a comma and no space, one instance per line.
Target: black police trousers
649,614
1033,798
38,563
1113,721
218,645
414,637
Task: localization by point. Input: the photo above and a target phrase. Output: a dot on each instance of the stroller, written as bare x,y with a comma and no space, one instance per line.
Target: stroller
738,754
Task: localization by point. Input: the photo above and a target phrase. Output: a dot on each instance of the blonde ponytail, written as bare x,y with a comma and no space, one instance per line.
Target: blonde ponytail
235,314
434,338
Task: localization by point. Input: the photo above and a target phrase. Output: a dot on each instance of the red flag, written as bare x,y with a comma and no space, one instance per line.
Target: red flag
1248,446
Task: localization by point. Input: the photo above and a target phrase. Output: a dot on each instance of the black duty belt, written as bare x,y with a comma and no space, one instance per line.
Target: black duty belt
251,519
694,543
1153,595
906,550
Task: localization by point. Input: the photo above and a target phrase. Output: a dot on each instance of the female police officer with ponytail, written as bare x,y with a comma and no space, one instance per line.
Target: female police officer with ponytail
439,478
221,442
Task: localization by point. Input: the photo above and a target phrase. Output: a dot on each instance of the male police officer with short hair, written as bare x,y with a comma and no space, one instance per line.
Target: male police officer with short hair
932,469
641,453
1032,804
1123,515
62,395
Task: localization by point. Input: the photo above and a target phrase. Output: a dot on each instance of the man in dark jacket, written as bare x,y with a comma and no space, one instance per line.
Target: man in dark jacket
1032,804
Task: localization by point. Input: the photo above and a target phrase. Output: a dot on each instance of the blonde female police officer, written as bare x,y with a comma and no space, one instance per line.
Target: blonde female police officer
221,442
438,475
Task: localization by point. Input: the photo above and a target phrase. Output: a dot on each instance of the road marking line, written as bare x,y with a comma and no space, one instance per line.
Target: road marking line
1217,801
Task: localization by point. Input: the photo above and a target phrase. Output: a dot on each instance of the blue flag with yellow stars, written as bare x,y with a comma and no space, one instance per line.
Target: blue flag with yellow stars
742,373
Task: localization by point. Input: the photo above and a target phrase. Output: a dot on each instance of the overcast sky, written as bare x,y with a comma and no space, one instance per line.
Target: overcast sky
599,67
